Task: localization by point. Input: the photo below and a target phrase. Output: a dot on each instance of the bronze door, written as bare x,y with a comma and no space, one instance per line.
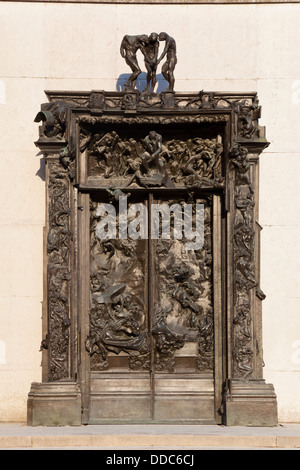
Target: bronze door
152,338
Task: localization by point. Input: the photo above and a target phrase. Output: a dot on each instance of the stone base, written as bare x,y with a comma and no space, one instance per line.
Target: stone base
185,399
175,398
54,404
252,403
119,398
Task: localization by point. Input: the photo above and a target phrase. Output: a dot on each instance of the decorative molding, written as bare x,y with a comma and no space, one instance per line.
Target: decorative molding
168,2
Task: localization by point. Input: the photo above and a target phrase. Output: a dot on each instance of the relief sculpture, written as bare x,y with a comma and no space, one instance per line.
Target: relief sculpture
153,169
118,317
184,299
182,302
244,264
140,326
154,161
58,253
115,326
167,341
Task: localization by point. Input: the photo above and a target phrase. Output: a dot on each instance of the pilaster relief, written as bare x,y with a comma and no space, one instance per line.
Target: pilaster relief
58,271
243,263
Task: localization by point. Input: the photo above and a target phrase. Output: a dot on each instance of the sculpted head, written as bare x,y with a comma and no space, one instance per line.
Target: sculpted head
144,38
162,36
153,135
153,37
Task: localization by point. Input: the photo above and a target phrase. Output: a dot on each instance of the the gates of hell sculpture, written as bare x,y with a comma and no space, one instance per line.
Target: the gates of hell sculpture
152,305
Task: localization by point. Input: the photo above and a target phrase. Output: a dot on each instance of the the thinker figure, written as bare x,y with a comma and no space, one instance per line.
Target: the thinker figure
169,66
153,144
128,49
153,162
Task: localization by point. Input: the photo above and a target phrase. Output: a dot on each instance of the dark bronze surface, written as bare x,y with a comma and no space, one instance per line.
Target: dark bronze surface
145,329
149,46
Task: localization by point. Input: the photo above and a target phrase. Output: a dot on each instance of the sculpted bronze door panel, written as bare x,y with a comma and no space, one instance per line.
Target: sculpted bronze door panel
119,318
118,342
153,204
151,321
183,315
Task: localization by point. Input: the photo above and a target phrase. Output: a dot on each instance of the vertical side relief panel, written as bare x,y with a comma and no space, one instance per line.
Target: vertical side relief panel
182,309
118,342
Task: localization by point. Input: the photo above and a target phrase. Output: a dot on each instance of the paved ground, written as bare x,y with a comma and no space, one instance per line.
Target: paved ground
149,437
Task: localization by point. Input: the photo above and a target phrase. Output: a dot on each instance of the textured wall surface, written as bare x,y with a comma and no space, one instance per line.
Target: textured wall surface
57,46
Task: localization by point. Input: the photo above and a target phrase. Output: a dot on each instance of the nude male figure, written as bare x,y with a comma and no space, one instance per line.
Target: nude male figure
153,143
150,52
169,66
128,49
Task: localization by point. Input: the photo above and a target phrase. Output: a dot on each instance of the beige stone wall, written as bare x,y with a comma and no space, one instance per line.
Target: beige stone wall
59,46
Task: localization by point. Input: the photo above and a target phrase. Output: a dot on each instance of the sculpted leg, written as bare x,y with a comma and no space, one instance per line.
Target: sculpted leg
135,73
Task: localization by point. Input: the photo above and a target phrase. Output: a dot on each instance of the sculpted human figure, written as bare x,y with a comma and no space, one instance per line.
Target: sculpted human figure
128,49
153,143
150,52
105,149
152,171
169,66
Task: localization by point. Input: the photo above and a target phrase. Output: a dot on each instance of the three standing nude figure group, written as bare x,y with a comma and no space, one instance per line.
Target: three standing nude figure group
149,45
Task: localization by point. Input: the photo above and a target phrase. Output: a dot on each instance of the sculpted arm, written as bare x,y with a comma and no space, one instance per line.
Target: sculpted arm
122,48
158,145
156,54
164,51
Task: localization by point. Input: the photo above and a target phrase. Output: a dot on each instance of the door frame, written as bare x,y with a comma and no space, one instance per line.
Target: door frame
242,396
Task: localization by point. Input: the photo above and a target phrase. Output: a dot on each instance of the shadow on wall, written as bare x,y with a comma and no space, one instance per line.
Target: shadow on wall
161,86
41,171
